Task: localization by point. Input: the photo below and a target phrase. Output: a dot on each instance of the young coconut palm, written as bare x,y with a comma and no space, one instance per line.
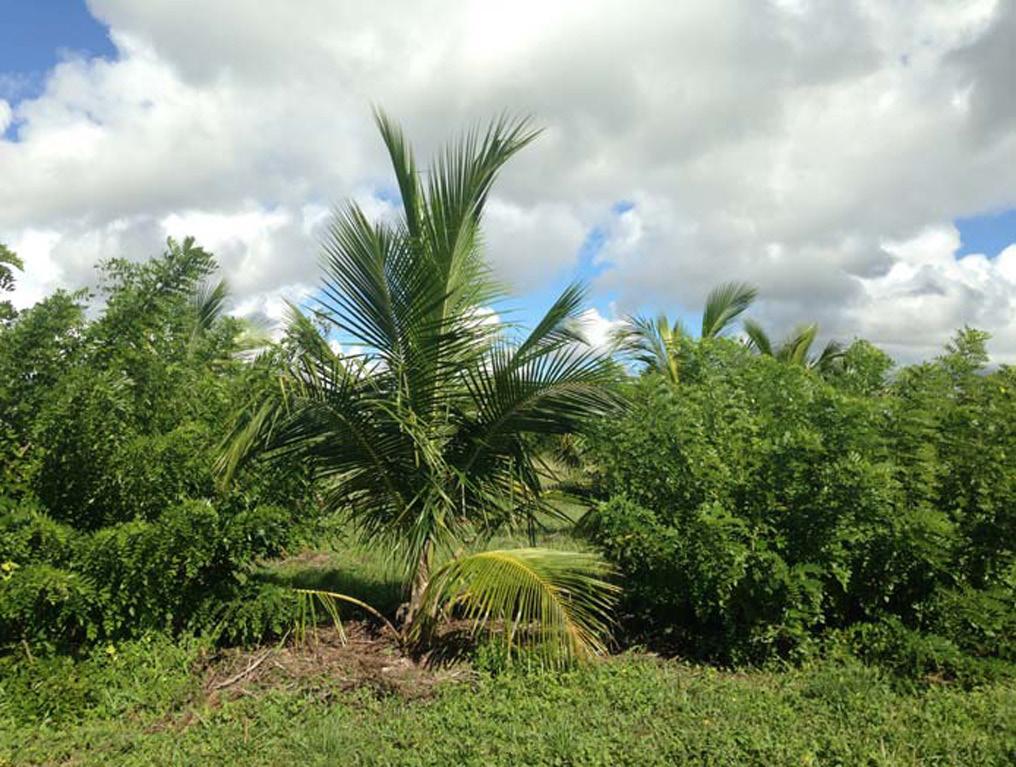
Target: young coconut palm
656,343
796,348
425,440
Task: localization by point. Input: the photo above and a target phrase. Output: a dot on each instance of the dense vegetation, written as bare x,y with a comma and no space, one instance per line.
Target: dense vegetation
755,506
111,521
751,501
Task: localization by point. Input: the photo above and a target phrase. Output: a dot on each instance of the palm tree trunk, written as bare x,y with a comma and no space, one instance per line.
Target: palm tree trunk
420,580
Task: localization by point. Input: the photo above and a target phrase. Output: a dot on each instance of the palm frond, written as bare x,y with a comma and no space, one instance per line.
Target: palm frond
556,602
725,304
653,342
362,262
758,339
406,174
830,356
457,190
559,325
796,347
331,602
209,300
323,412
549,384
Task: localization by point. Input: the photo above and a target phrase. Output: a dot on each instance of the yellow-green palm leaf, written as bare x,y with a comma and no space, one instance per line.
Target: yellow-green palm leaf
556,602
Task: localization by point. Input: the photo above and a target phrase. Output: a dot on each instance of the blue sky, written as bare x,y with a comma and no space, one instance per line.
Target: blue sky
988,234
36,34
613,161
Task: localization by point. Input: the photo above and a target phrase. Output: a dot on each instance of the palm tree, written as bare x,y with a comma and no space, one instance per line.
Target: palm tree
656,343
208,301
724,304
795,348
425,440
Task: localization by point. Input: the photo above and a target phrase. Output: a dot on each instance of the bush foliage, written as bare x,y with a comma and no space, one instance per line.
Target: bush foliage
111,521
754,505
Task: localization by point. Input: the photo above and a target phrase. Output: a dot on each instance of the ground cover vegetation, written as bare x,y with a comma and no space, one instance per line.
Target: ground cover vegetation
179,487
147,705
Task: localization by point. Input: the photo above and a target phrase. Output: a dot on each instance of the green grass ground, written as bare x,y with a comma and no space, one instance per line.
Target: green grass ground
148,703
627,711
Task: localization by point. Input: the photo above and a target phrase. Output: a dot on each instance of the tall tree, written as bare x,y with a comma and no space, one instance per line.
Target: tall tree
426,439
8,262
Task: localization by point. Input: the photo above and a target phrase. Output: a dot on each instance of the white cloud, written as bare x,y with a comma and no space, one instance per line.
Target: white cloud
597,329
35,247
931,292
804,145
531,244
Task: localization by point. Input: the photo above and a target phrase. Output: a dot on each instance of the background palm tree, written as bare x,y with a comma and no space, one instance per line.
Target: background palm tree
425,440
208,302
656,343
724,304
795,348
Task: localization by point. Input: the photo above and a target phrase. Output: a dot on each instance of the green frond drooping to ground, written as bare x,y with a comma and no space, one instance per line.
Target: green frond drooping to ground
557,602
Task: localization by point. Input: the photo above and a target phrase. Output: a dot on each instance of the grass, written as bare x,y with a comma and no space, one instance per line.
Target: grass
630,710
148,702
348,567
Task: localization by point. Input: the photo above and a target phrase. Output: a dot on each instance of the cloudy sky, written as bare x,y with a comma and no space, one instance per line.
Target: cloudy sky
855,160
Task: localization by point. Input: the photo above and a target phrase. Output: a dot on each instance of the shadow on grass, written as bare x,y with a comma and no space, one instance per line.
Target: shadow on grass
363,572
323,572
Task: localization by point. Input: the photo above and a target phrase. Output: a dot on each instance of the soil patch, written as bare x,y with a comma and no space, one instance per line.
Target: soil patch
327,662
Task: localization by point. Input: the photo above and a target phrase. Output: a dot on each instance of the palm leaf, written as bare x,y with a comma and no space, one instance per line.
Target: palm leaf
548,384
796,347
831,356
406,173
758,339
725,304
556,602
653,342
208,301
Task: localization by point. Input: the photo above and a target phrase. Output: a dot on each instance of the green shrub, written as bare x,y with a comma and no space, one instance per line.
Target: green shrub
84,426
111,523
912,654
28,536
149,575
148,675
42,603
981,622
263,531
754,504
257,610
186,569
